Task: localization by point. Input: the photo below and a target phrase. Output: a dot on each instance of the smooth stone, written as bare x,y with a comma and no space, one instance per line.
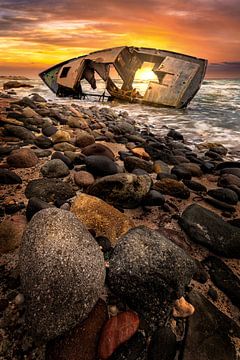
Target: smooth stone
49,190
9,177
232,171
55,168
84,139
124,154
236,189
49,130
149,272
100,165
163,345
161,176
11,232
182,308
65,159
194,169
153,198
165,156
64,146
43,142
99,216
34,205
19,132
133,349
219,204
226,195
160,167
228,165
133,162
181,172
227,180
98,149
140,152
15,84
175,135
172,187
224,278
13,208
22,158
81,343
116,331
195,186
6,150
208,229
28,112
77,122
122,190
213,155
207,167
62,272
83,178
37,98
139,172
42,153
61,136
209,332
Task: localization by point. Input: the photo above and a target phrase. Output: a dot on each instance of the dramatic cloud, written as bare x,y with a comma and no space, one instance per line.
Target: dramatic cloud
45,32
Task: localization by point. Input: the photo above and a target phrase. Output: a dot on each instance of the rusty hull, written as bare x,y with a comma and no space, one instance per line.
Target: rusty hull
179,76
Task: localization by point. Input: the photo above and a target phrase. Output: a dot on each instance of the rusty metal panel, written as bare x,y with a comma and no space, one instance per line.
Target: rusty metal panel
175,76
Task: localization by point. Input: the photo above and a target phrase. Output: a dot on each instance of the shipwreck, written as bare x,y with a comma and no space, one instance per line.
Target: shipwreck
177,77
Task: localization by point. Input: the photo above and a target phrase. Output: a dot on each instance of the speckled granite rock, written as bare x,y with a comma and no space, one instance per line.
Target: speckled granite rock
149,272
62,272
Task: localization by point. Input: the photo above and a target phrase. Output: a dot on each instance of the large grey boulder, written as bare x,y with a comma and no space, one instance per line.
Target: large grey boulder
149,272
62,272
208,229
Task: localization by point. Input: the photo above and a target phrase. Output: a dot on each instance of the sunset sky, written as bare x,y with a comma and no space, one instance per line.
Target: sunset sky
38,33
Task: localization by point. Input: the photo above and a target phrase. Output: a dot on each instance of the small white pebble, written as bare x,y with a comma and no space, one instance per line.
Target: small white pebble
19,299
113,310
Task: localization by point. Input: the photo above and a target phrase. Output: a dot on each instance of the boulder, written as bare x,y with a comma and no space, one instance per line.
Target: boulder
149,272
43,142
19,132
208,229
13,84
122,190
84,139
226,195
99,216
100,165
34,205
133,162
98,149
61,136
62,272
55,168
9,177
172,187
227,180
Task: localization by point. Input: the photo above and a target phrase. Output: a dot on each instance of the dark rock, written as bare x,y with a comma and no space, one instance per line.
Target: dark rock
34,205
104,243
117,330
227,180
175,135
122,190
235,222
133,162
65,159
55,168
13,208
213,155
201,274
27,102
64,146
37,98
81,343
194,169
6,150
98,149
15,84
208,229
124,154
223,277
49,190
42,153
9,177
161,167
212,293
177,237
163,345
62,272
195,186
166,175
100,165
172,187
225,195
232,171
153,198
19,132
219,204
228,165
236,189
43,142
84,139
133,349
181,172
207,167
49,130
139,172
22,158
149,272
219,149
209,332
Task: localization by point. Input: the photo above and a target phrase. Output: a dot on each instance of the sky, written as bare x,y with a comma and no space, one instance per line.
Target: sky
36,34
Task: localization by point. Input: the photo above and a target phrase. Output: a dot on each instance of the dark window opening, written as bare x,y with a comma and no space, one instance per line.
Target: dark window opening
65,71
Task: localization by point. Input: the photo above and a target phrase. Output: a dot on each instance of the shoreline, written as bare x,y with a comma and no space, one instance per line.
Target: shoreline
117,132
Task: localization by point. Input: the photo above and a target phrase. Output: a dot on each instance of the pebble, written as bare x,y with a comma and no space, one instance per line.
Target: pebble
83,178
182,308
55,168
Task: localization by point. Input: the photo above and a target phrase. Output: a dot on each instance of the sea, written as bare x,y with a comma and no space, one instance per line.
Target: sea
212,116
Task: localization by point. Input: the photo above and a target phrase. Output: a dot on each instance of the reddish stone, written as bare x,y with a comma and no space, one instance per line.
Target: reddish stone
116,331
81,343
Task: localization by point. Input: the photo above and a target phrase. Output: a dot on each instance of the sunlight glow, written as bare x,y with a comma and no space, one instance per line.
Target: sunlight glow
145,73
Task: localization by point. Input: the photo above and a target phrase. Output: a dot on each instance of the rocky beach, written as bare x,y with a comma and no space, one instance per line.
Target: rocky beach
116,242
